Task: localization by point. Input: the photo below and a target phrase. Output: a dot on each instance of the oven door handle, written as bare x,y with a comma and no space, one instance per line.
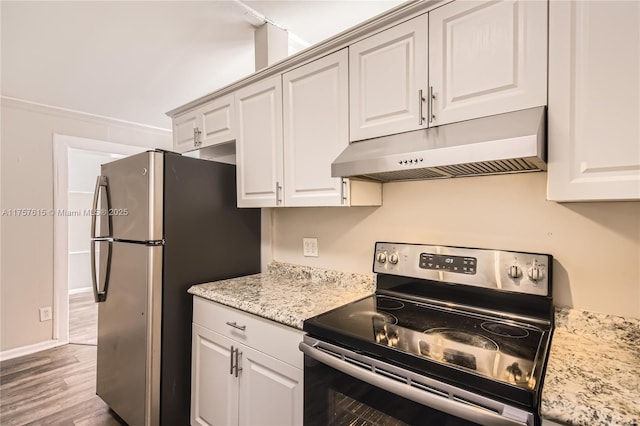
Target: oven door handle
450,406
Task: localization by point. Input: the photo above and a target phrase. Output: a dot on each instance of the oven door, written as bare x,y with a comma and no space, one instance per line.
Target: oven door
345,388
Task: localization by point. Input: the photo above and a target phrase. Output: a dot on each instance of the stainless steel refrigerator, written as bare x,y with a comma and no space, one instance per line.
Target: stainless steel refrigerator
161,222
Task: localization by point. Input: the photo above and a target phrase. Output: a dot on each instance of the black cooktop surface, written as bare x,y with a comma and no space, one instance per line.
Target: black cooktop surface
493,348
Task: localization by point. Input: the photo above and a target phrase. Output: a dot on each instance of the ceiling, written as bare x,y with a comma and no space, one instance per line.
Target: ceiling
135,60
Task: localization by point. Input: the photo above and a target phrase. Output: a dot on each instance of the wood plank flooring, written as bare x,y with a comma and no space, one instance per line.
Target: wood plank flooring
58,386
83,319
53,387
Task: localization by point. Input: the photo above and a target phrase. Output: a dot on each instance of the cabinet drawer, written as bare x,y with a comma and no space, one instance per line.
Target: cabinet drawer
272,338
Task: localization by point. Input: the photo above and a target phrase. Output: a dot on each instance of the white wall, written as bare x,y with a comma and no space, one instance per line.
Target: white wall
26,263
596,246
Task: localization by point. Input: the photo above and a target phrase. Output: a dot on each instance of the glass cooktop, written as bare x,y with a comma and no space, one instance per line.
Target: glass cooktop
495,348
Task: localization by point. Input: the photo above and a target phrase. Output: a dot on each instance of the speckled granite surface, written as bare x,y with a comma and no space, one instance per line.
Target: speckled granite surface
288,294
593,374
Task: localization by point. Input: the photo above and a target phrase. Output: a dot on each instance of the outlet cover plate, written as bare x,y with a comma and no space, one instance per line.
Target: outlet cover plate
45,314
310,247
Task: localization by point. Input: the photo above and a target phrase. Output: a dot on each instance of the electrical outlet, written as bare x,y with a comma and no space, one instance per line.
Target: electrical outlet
45,314
310,247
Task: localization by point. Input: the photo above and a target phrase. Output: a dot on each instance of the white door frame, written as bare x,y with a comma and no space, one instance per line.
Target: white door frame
61,146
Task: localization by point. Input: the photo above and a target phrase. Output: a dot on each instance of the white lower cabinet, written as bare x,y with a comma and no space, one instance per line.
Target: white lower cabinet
214,391
245,370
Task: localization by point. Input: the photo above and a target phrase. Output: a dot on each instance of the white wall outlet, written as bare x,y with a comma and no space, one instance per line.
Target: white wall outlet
45,314
310,247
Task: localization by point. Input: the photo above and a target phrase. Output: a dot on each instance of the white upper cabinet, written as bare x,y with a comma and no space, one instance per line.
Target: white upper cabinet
594,101
259,144
487,57
388,80
292,166
316,130
208,125
218,121
185,129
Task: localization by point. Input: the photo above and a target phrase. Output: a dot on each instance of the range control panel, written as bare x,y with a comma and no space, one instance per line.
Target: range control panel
458,264
519,272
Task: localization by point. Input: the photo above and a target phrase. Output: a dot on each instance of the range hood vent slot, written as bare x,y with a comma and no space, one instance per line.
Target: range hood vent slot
506,143
490,167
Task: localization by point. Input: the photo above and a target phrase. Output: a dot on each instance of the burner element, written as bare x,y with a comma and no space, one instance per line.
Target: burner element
465,338
389,304
504,330
461,348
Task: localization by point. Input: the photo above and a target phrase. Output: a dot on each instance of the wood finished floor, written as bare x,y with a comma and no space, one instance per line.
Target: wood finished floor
57,386
83,319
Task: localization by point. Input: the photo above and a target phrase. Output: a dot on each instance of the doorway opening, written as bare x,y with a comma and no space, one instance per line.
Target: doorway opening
77,164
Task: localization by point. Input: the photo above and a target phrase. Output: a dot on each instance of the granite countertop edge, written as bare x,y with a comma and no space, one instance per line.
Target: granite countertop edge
288,294
593,371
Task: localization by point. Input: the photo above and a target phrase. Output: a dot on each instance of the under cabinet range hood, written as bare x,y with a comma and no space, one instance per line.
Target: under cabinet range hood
506,143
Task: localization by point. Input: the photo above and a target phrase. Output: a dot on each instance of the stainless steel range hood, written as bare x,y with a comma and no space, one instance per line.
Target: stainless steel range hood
505,143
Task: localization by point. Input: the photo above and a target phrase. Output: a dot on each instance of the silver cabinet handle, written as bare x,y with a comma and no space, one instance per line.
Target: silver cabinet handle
196,137
431,97
234,357
420,101
238,368
236,326
343,191
278,193
441,403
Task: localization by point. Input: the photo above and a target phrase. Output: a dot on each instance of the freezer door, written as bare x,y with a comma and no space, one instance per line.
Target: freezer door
134,186
129,321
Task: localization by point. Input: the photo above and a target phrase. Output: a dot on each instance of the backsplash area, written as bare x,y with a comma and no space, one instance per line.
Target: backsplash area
596,246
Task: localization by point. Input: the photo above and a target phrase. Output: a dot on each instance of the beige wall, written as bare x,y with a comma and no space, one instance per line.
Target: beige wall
27,182
596,246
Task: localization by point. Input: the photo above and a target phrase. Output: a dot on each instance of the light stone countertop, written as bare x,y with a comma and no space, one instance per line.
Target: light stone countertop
593,372
288,294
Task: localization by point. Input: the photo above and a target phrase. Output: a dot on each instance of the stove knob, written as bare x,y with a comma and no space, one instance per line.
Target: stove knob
393,258
534,274
381,257
515,271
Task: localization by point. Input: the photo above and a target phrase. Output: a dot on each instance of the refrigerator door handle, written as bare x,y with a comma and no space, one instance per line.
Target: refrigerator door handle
101,182
100,295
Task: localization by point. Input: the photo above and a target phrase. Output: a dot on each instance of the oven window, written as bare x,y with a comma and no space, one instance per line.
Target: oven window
336,399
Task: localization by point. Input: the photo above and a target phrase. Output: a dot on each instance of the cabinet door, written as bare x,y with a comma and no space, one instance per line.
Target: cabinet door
259,144
214,391
184,128
271,391
594,101
218,120
316,130
388,79
487,57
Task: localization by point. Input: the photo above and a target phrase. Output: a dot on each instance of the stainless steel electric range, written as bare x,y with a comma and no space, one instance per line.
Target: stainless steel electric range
452,336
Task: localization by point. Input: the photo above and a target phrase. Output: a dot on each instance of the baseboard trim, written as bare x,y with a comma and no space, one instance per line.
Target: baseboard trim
80,290
30,349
